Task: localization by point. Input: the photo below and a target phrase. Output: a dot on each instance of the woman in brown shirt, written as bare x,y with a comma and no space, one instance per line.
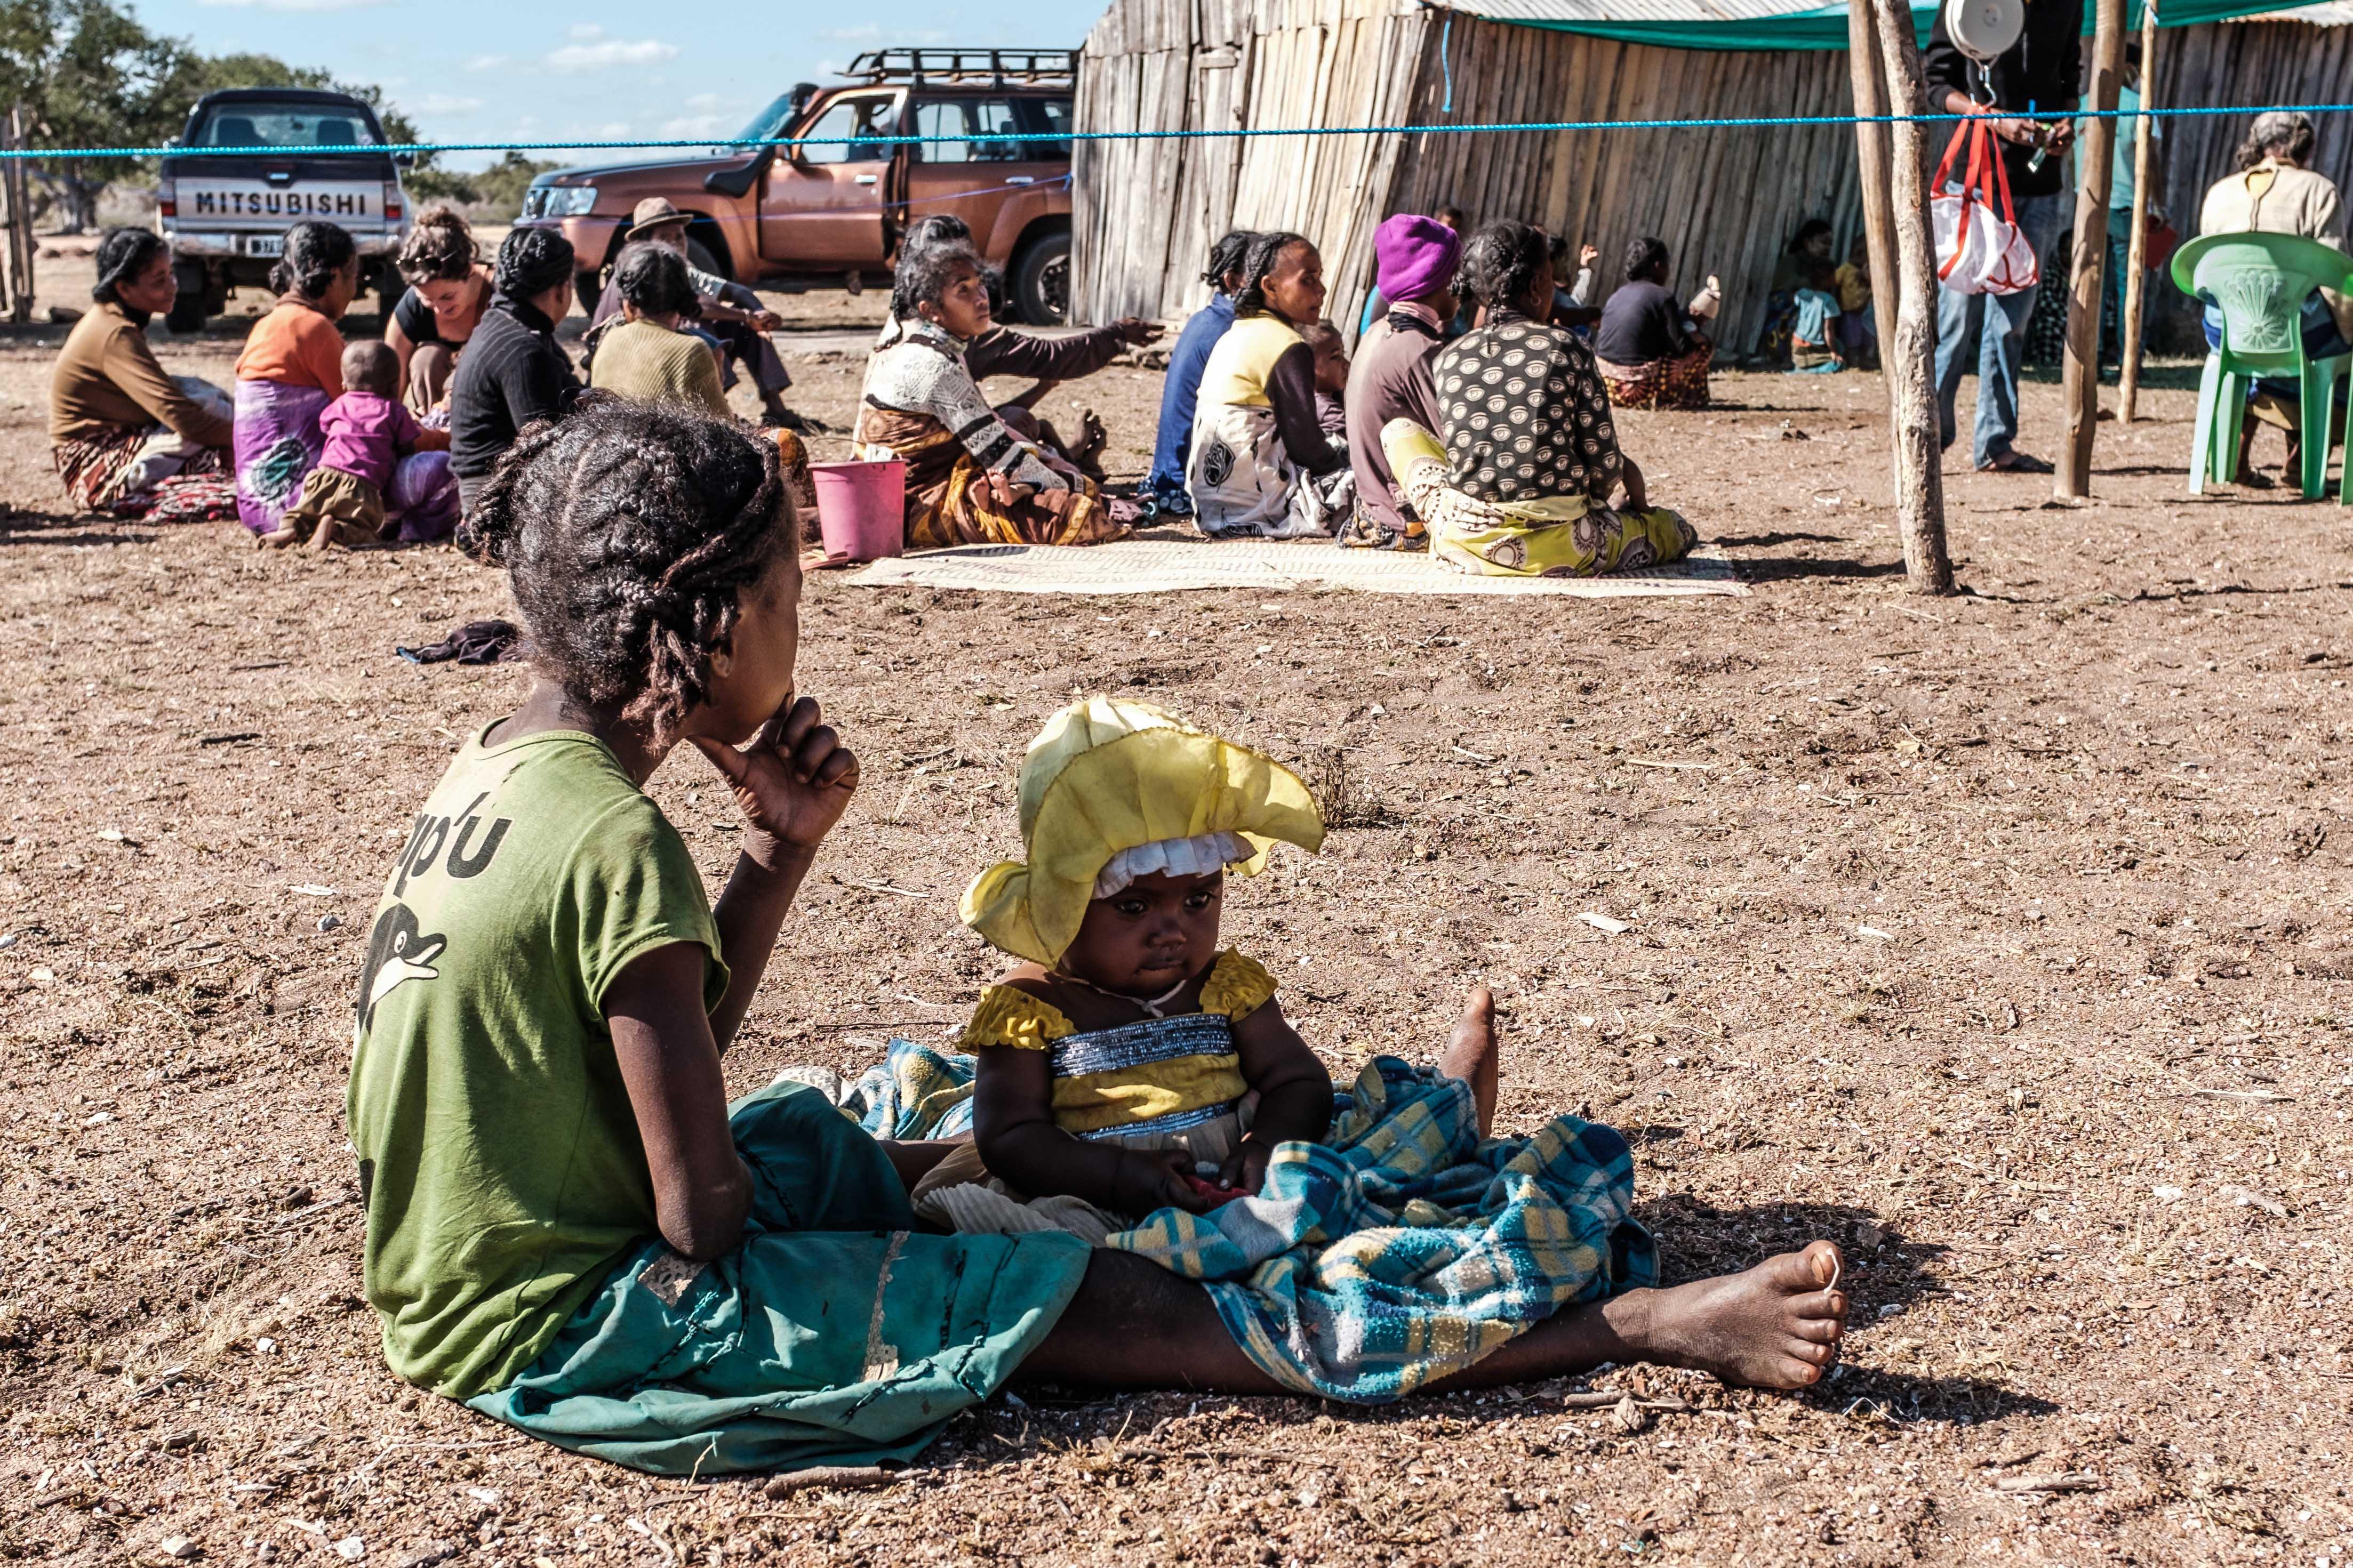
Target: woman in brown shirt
128,438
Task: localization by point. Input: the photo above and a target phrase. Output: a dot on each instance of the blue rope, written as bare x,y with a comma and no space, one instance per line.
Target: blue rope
1505,128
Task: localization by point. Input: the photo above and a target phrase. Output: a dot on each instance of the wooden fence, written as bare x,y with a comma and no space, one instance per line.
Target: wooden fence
1725,201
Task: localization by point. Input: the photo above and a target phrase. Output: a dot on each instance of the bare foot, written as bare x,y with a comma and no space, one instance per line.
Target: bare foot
276,539
1470,1056
1092,435
1774,1326
326,535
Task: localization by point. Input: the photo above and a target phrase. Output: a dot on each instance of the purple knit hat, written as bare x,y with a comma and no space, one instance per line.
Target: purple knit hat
1415,256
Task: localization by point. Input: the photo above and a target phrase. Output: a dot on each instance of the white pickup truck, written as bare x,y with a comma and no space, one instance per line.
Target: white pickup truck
225,214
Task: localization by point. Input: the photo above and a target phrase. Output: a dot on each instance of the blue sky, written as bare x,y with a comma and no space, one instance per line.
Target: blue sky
476,70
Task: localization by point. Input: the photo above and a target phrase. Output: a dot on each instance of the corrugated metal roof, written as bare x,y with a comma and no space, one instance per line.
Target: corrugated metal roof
1691,11
2328,14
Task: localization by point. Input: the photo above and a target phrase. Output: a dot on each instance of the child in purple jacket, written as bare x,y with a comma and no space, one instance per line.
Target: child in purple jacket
367,432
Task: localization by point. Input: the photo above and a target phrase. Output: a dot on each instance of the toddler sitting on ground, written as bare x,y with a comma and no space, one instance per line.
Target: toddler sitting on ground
367,432
1130,1065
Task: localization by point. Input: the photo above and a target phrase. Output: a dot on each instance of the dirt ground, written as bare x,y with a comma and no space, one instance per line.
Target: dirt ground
2001,938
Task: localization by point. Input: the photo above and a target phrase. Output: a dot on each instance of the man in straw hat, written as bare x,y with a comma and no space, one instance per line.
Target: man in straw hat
729,316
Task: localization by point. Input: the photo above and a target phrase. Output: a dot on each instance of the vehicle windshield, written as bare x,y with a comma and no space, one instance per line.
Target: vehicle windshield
260,123
768,122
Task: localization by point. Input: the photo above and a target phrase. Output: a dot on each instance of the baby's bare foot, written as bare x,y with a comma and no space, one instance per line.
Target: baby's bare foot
1774,1326
1472,1054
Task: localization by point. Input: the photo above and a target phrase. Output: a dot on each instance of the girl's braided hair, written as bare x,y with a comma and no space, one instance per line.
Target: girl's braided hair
1265,250
1227,254
1501,260
934,231
314,253
629,533
1646,256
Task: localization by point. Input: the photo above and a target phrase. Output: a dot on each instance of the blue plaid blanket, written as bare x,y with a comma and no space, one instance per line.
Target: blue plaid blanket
1400,1249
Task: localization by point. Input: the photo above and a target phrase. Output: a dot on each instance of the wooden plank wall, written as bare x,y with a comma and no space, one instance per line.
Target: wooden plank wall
1725,201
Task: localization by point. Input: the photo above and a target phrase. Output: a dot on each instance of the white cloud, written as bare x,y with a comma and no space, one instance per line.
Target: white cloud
696,127
704,101
447,104
480,63
584,32
608,52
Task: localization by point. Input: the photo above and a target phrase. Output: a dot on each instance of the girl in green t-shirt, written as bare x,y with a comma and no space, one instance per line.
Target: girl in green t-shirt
568,1227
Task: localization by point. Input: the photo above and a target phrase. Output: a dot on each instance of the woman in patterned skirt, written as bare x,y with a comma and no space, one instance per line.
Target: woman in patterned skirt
128,438
1521,479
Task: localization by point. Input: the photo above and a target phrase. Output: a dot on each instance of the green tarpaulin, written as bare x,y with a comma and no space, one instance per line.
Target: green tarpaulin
1826,29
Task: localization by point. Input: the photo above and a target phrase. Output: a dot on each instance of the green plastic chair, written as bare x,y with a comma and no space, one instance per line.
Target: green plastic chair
2260,282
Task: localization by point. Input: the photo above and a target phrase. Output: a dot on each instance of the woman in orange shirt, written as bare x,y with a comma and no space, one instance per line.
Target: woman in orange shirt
291,369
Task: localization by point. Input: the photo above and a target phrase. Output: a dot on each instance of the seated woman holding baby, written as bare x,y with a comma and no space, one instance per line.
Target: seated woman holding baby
1523,475
128,437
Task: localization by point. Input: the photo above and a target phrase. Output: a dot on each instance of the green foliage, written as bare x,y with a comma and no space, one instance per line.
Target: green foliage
500,186
88,73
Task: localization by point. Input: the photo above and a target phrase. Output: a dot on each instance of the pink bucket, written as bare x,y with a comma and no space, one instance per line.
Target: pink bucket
861,508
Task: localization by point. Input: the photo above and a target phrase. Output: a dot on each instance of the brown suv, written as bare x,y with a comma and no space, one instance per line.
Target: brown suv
808,215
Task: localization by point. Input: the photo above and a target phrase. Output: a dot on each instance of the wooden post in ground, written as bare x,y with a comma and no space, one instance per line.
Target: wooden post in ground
1871,155
2095,156
20,225
18,184
1911,355
2137,256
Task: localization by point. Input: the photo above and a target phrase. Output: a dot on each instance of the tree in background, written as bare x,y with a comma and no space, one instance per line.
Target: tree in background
495,192
88,74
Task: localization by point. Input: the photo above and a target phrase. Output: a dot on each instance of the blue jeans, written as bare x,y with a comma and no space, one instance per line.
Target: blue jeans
2039,219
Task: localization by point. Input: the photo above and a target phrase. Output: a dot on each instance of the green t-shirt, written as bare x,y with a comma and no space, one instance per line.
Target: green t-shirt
500,1162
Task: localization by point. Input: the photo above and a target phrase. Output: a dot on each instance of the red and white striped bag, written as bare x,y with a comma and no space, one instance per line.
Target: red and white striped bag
1980,249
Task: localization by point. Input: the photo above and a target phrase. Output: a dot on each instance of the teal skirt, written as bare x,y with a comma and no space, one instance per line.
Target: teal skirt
833,1335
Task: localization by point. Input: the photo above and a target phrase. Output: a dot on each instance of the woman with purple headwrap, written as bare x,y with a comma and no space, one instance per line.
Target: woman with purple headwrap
1390,377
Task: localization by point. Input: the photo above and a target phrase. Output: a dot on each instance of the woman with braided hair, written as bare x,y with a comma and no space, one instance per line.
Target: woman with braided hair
567,1227
1260,465
1522,477
127,437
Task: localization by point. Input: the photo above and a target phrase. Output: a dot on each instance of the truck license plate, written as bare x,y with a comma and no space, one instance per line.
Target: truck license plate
265,245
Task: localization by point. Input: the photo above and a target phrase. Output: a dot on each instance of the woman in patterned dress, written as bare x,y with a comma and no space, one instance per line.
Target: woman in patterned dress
1520,479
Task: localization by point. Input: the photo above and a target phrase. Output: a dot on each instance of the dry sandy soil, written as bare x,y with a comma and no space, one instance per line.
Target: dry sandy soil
2001,938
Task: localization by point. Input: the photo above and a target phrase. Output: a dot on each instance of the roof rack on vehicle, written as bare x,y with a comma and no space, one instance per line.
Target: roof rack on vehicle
997,67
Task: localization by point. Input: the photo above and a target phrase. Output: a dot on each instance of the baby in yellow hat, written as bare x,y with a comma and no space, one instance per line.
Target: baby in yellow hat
1130,1065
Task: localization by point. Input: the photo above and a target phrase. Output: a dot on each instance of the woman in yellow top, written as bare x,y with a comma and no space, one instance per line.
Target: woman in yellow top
1260,465
645,356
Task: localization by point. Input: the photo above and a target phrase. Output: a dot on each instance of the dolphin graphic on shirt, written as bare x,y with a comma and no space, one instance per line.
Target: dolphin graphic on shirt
398,951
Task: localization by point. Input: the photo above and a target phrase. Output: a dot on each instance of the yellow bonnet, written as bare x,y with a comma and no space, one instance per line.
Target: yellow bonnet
1106,775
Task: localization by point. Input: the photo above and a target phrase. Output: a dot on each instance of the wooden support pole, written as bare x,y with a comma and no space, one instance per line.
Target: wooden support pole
2137,256
1911,355
1871,155
18,184
2094,159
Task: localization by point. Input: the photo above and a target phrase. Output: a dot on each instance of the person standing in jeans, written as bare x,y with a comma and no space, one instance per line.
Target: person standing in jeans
2039,73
